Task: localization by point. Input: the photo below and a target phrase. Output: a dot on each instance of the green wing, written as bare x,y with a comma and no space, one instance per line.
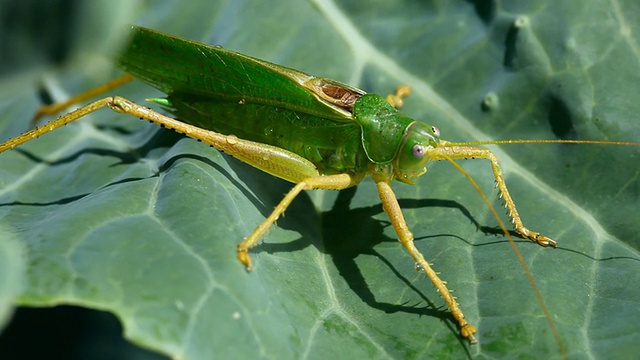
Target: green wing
186,68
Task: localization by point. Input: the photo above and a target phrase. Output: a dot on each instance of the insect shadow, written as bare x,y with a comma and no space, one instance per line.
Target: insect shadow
344,243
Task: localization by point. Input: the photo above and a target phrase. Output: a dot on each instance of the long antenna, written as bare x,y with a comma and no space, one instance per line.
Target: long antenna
548,141
523,263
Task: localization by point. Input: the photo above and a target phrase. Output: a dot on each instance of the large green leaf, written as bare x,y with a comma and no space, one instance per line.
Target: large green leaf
119,215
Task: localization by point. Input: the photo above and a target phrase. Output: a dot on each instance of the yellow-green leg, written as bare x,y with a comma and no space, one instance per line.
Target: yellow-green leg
468,152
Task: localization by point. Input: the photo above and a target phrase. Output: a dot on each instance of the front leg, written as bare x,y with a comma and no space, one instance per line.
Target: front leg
330,182
445,152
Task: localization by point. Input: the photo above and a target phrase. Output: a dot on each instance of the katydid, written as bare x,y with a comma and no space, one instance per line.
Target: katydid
320,133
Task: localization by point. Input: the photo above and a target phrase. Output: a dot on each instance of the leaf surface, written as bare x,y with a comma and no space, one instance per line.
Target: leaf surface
119,215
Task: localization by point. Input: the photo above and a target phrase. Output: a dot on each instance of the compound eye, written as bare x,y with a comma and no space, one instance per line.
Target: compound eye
418,151
436,131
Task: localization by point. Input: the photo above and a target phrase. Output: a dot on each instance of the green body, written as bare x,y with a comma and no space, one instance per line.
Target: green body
231,93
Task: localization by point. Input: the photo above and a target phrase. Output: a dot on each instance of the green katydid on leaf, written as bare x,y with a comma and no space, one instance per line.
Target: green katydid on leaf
328,130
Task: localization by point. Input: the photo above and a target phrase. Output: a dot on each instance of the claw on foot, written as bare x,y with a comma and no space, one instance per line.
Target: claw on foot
245,258
467,331
542,240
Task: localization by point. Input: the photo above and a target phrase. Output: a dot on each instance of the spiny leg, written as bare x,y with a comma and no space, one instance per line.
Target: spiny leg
392,208
122,105
332,182
466,152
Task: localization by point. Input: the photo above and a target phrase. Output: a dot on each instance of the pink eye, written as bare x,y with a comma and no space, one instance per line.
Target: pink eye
436,131
418,150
